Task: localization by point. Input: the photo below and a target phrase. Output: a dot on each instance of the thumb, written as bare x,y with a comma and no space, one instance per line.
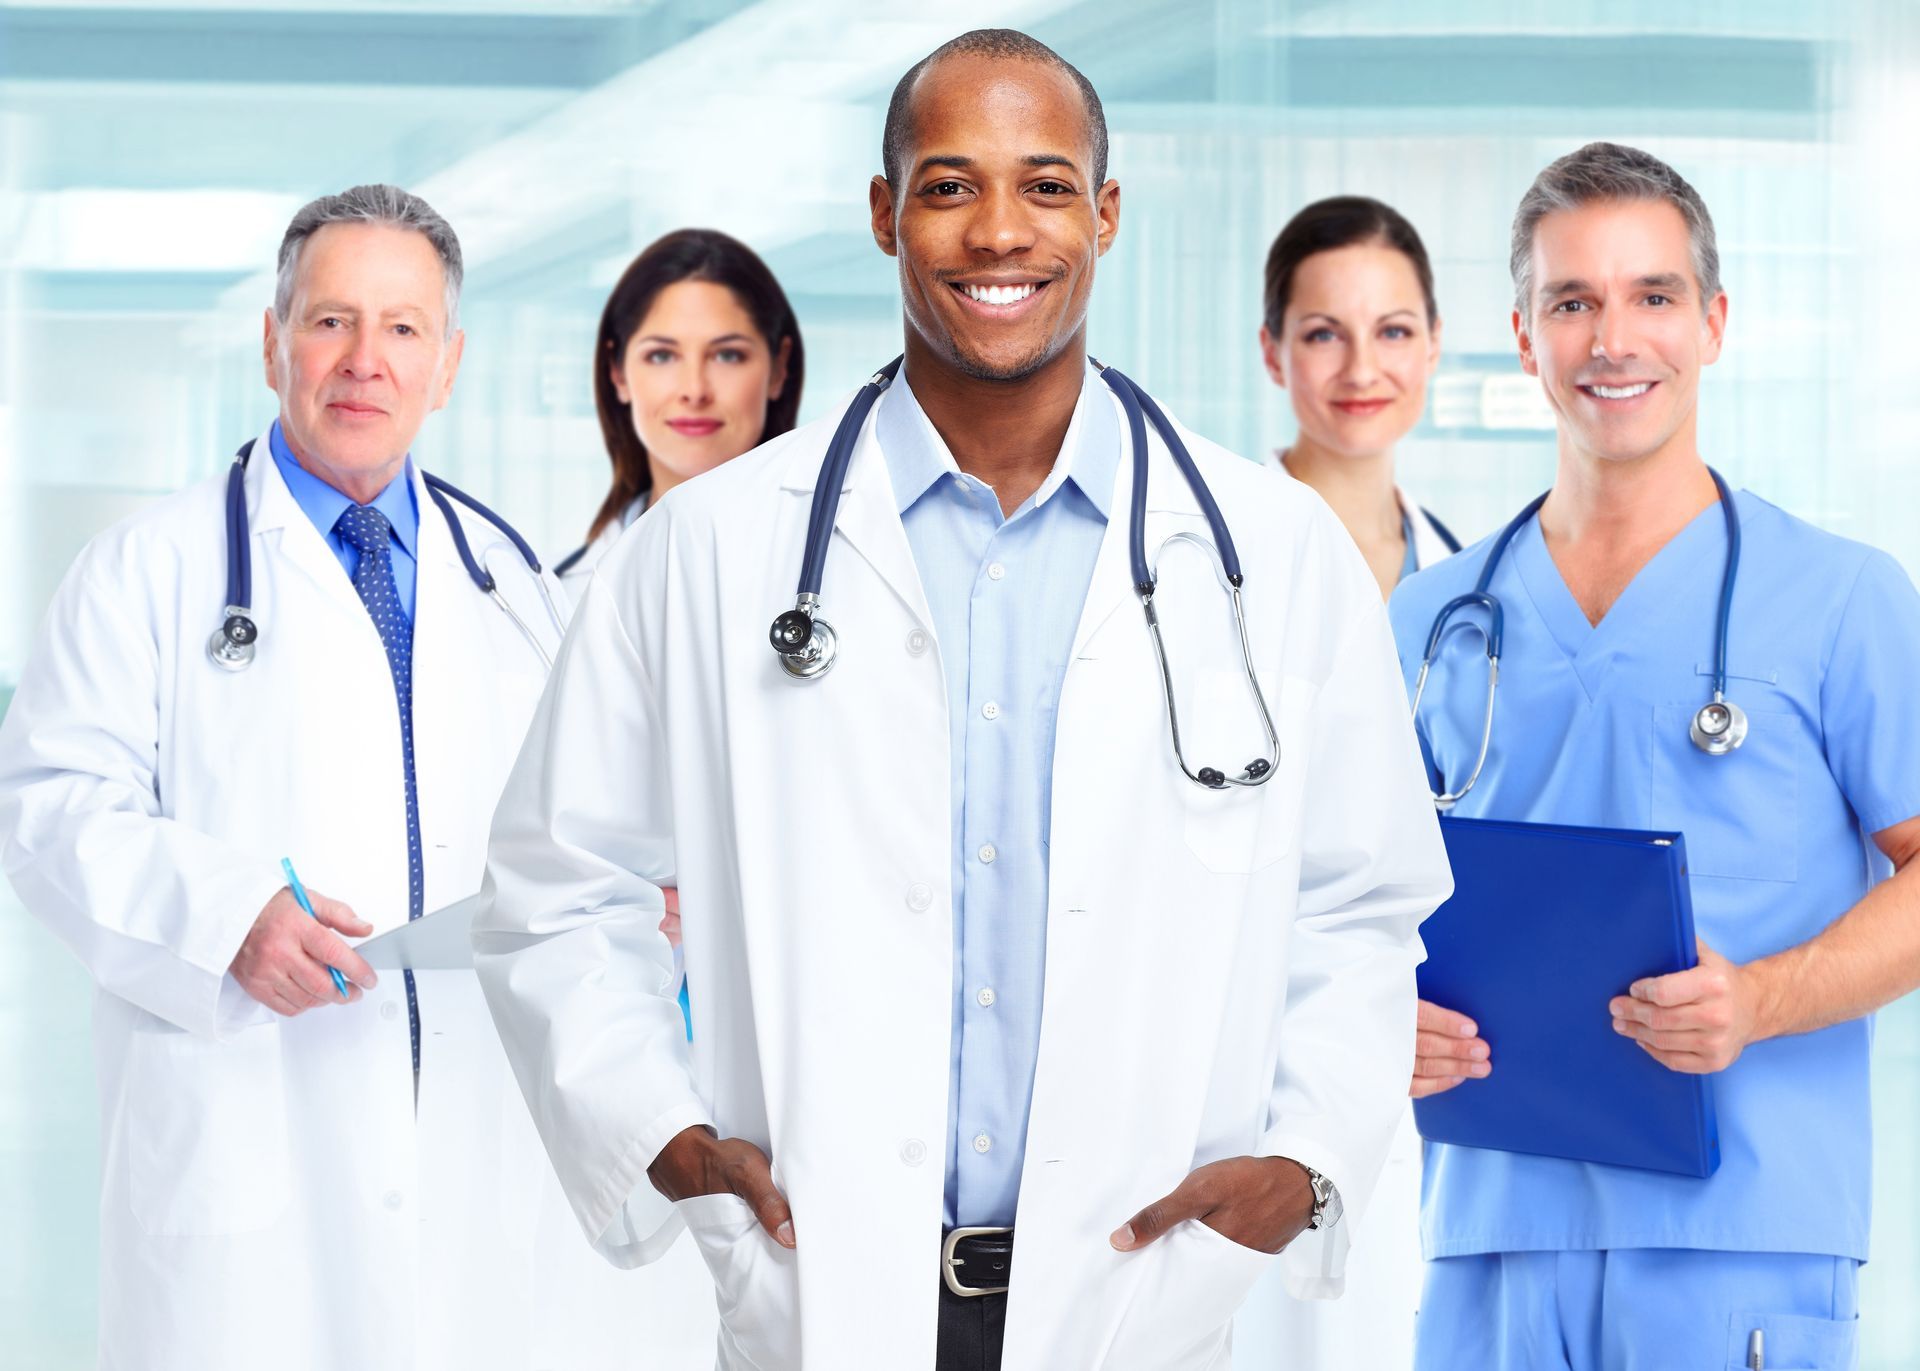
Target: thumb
754,1184
339,916
1154,1221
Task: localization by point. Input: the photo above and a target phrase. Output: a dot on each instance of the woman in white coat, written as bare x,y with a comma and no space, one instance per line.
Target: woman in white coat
1352,334
281,1182
698,360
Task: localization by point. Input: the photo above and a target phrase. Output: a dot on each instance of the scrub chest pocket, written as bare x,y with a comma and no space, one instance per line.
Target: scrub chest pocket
1695,793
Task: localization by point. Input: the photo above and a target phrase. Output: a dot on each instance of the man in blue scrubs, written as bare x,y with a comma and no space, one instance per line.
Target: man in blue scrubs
1611,597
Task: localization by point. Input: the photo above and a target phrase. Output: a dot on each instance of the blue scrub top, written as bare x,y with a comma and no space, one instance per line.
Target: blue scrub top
1591,728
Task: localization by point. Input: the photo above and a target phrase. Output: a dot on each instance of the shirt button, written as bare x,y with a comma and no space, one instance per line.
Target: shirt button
389,1010
982,1143
392,1199
988,852
995,571
986,997
913,1151
990,710
919,896
916,642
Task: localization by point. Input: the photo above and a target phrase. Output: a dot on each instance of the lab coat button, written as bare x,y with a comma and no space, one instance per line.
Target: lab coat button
389,1010
913,1151
919,896
995,571
917,642
982,1143
393,1200
989,710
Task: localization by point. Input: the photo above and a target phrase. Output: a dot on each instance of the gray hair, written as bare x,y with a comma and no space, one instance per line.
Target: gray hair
1609,171
386,205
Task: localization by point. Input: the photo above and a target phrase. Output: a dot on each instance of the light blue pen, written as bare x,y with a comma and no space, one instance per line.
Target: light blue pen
300,894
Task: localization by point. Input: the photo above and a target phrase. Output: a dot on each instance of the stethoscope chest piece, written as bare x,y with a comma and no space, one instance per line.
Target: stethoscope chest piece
806,644
232,644
1719,727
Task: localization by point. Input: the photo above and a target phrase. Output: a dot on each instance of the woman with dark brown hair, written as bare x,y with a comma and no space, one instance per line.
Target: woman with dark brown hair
698,360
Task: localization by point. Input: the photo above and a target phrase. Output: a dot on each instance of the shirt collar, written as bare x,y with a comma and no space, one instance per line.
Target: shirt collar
324,505
917,457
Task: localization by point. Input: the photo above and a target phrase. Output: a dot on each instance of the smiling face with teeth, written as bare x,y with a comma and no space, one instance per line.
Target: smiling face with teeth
1617,331
995,221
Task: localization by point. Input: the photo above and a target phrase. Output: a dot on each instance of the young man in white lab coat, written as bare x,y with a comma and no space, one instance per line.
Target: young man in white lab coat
289,1179
967,950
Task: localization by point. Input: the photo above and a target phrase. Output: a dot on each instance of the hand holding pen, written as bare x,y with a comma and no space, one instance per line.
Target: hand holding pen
294,959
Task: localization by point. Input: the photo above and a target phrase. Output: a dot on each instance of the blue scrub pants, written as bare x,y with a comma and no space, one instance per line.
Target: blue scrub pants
1637,1309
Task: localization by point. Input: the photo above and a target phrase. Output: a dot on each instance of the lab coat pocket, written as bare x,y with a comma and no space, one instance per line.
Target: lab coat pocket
754,1283
207,1135
1740,813
1179,1315
1240,829
1794,1342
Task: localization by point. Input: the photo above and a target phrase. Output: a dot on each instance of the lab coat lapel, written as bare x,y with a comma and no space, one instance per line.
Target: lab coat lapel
869,519
280,528
1171,509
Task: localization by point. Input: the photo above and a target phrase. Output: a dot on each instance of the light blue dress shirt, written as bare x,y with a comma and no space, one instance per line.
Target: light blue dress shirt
1006,597
324,505
1591,728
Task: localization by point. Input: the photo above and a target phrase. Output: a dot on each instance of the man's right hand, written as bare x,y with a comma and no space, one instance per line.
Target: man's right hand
1446,1051
283,963
699,1161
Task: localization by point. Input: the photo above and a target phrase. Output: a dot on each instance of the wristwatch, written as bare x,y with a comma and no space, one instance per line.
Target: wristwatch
1326,1200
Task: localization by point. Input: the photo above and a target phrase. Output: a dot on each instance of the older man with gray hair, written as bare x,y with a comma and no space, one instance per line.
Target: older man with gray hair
299,1170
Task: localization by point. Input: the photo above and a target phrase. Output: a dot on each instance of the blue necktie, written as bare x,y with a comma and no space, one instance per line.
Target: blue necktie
367,531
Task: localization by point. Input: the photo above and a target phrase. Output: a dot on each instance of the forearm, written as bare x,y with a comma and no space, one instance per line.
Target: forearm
1867,958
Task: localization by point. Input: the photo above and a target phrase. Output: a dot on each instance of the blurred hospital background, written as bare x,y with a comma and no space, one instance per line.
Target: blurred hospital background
151,154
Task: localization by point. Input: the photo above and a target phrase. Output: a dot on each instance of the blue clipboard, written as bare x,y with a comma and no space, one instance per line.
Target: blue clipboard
1546,924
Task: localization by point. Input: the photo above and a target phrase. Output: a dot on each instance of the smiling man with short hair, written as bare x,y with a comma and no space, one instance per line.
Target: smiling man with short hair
1013,1046
1612,598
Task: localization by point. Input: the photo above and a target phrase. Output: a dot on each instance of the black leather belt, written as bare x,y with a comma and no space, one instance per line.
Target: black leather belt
977,1261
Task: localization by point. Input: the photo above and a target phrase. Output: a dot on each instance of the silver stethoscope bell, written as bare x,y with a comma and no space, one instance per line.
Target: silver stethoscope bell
805,643
231,646
1719,727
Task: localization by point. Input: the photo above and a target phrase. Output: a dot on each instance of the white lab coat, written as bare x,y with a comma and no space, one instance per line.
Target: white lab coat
578,567
1371,1325
268,1194
1226,973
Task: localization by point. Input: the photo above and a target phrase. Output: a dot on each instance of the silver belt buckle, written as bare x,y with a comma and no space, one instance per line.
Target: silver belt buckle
948,1261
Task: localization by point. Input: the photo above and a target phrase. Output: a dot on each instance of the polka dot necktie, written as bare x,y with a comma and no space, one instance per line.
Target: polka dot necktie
366,530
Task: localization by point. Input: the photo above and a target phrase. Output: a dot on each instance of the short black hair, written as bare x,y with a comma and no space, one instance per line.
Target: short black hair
1011,45
1341,221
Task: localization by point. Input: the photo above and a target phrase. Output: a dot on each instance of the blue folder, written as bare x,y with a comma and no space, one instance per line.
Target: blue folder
1546,924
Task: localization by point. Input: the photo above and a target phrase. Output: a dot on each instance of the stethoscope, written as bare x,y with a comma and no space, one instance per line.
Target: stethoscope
233,644
808,646
1719,726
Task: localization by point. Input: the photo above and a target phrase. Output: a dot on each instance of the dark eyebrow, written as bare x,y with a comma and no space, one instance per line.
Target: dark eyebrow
1032,159
1318,315
675,342
1571,286
1670,282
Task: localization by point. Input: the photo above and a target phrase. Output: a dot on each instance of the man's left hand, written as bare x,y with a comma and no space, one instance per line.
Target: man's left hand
1259,1202
1694,1021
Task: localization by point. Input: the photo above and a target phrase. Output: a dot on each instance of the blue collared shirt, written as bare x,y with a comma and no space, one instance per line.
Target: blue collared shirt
324,505
1006,596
